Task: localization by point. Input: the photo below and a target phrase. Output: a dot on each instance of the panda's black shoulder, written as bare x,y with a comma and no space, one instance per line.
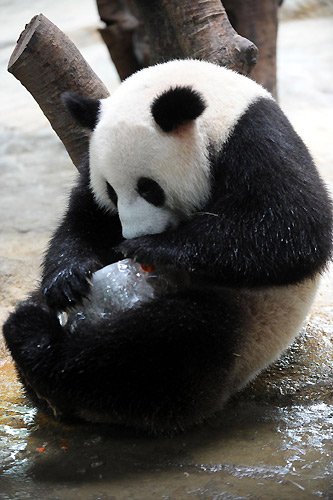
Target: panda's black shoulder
83,211
274,209
82,182
82,197
265,154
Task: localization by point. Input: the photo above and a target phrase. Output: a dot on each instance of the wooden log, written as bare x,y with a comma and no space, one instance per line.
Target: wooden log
174,29
123,35
48,63
258,21
197,29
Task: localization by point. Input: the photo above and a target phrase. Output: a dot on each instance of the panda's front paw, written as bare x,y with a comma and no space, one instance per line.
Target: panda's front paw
135,249
67,287
145,250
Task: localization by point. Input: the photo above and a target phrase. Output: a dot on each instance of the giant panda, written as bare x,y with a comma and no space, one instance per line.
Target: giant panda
191,167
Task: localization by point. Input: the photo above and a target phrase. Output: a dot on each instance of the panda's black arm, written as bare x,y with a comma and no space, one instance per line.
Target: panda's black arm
269,220
253,248
83,243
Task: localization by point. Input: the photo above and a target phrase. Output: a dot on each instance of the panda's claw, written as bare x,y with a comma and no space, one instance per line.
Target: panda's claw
68,287
134,249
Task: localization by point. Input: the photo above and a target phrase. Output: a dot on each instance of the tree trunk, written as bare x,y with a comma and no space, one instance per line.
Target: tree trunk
47,63
181,29
124,36
258,21
128,43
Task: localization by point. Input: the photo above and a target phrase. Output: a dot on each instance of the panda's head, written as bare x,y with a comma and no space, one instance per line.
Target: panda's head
151,141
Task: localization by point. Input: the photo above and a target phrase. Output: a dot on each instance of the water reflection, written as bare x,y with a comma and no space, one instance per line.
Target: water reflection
274,440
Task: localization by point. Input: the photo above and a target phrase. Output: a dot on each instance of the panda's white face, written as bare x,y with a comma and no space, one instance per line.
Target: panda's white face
152,175
153,178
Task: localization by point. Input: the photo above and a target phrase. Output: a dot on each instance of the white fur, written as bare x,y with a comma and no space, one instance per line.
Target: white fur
139,217
273,316
127,143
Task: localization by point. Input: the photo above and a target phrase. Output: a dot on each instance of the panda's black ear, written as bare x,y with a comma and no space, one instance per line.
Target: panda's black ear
176,106
84,109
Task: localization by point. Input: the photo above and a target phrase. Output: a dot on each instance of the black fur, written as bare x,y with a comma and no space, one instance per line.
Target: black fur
85,110
176,106
84,242
151,191
138,369
163,366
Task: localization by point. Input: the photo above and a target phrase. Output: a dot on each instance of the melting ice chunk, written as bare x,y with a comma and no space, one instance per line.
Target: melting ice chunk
118,287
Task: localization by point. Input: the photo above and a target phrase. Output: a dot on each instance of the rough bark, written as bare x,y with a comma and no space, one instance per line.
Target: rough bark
198,29
47,63
123,35
258,21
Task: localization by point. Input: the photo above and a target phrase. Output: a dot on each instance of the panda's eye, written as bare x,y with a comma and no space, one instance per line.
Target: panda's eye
112,194
151,191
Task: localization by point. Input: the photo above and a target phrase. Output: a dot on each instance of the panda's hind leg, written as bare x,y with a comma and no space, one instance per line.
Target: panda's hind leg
160,367
31,331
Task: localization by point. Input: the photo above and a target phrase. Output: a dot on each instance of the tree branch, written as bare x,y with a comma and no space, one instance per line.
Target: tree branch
174,29
198,29
258,20
123,35
47,63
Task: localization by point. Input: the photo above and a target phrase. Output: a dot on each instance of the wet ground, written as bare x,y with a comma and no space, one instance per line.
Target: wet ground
273,440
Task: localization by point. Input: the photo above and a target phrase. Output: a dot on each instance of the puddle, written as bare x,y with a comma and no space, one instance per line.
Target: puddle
274,440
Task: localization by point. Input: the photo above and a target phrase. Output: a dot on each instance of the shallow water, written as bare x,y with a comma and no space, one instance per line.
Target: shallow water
274,440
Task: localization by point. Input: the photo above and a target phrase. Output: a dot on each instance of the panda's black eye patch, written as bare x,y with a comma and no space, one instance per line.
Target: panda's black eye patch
151,191
112,194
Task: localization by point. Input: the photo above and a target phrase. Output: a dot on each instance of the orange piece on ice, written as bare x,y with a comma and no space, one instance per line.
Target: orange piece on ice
148,269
